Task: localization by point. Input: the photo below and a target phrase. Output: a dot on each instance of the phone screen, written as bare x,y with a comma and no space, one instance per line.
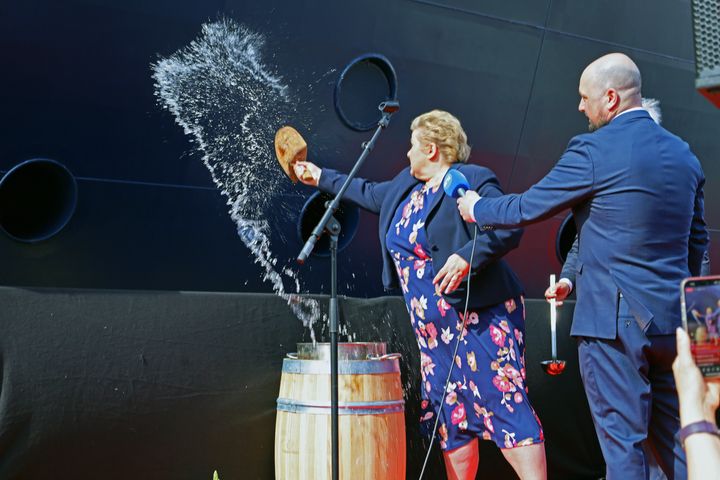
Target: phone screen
701,315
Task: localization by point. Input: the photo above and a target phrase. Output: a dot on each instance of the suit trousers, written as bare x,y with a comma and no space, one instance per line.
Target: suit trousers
633,401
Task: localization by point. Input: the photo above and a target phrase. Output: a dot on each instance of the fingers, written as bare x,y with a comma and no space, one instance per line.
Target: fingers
444,283
443,271
307,172
562,292
299,168
679,333
684,368
683,346
472,195
466,204
453,283
556,293
457,279
443,280
449,279
462,208
301,172
444,277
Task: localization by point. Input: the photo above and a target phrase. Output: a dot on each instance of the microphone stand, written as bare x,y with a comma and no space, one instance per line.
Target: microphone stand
328,223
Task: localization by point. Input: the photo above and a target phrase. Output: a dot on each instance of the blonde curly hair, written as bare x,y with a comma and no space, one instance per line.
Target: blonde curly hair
444,130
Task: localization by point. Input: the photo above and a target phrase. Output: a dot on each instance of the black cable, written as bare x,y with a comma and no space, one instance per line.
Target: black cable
452,362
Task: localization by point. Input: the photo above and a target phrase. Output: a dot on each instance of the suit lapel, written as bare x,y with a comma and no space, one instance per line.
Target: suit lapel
439,197
436,201
405,184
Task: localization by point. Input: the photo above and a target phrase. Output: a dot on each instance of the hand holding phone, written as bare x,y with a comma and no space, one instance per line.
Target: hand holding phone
699,398
700,297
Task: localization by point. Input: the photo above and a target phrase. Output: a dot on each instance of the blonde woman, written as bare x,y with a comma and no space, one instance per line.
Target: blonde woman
426,253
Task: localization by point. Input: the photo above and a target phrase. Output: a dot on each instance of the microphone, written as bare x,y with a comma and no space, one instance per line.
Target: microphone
455,184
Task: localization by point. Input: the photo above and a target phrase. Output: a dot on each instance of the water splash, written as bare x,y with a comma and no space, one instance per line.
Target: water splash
230,103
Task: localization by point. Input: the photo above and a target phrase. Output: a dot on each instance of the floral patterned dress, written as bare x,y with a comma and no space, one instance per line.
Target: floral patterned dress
486,396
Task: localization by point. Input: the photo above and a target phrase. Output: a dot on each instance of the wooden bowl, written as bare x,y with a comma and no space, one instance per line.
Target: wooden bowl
290,147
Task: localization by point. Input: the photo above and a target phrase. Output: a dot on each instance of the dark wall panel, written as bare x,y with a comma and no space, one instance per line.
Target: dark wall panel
171,238
474,67
661,26
532,12
81,92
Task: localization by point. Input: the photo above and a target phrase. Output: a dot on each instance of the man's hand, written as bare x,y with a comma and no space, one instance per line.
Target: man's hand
466,205
560,292
451,274
698,399
308,173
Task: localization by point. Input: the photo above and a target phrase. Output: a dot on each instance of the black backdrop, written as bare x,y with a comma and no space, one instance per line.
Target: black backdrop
78,88
168,385
173,385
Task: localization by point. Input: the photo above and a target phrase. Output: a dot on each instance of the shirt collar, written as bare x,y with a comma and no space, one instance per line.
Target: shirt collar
634,109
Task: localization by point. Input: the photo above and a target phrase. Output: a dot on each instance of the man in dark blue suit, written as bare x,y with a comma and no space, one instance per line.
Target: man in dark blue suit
636,192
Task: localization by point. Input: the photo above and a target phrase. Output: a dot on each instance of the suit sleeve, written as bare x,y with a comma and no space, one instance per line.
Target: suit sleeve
495,244
698,240
569,268
363,193
570,181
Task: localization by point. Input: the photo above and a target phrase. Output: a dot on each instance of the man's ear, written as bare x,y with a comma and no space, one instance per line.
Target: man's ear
613,99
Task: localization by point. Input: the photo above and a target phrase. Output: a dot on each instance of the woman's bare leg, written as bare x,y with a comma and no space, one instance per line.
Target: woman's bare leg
528,461
462,463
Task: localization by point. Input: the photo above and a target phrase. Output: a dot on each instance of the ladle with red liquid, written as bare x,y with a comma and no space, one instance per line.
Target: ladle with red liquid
554,366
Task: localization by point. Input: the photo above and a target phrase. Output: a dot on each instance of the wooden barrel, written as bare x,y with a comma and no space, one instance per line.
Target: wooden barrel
371,421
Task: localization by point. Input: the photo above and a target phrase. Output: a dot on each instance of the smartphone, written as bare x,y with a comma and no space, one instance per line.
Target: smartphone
700,297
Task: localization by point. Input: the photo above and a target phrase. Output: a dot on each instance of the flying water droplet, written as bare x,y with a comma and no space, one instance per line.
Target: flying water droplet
230,103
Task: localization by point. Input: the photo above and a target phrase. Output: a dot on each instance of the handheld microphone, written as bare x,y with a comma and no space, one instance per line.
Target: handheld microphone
455,184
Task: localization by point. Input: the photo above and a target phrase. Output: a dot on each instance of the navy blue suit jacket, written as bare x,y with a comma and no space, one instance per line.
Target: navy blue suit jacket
636,193
492,279
570,266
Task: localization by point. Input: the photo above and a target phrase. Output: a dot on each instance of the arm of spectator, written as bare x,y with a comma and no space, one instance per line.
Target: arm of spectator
698,402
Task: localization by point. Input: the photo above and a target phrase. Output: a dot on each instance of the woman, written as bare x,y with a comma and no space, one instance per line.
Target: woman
427,249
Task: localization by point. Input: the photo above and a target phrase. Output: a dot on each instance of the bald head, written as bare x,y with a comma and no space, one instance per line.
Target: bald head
616,71
608,86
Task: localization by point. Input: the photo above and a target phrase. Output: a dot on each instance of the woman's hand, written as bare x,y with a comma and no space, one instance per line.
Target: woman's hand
451,274
698,399
308,173
560,292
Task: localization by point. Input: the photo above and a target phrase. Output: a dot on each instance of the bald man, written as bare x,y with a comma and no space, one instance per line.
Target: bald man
636,192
